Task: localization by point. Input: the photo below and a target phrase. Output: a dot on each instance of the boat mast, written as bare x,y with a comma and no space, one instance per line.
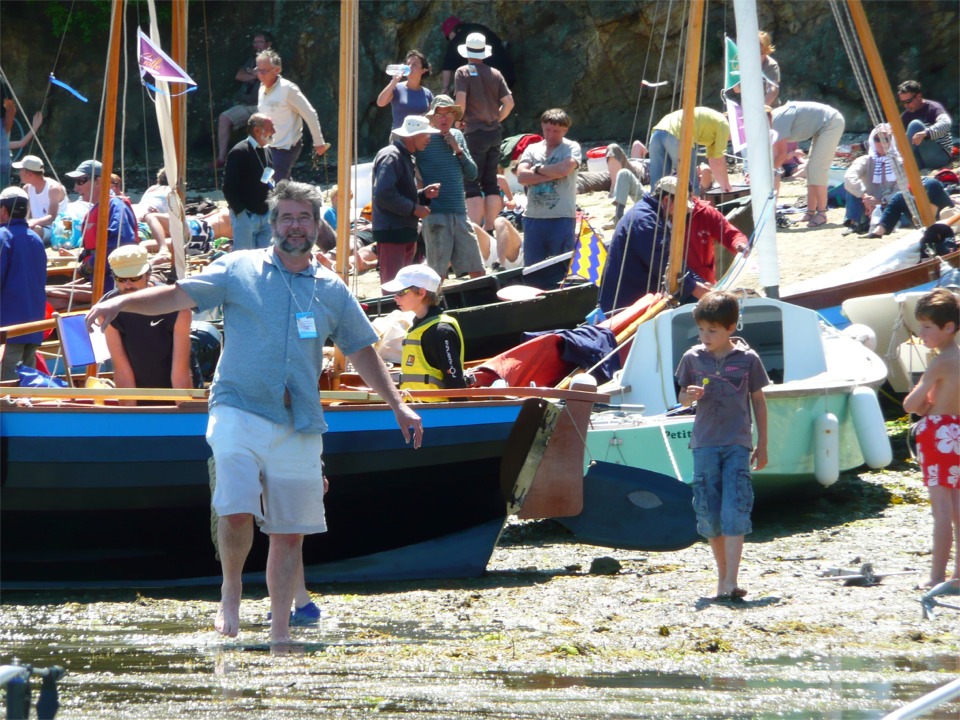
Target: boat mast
685,170
758,140
349,14
109,135
885,92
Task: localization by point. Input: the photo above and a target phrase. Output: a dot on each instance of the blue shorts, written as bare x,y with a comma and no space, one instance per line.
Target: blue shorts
722,491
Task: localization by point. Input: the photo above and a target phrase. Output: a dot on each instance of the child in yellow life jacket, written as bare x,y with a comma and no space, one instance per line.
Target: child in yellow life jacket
432,353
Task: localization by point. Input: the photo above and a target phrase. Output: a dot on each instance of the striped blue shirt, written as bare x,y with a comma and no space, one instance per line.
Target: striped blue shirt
437,164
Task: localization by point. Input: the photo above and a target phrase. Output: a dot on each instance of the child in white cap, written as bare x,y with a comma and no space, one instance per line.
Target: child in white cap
432,352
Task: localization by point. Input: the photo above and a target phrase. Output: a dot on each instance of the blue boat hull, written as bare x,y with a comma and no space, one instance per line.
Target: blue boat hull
119,497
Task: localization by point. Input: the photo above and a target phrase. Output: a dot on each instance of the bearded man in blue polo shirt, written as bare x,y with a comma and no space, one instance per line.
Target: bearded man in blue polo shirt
279,305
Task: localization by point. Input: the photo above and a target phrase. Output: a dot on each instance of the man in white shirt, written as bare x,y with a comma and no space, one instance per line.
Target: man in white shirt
288,108
45,195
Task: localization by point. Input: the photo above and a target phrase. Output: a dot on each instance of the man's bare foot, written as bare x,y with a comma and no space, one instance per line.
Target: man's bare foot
227,621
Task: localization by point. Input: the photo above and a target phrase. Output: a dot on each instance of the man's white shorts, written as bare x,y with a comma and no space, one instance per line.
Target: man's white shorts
267,470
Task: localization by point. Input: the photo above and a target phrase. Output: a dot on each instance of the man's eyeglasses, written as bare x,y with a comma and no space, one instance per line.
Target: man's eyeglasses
908,101
304,220
82,180
135,278
263,71
401,293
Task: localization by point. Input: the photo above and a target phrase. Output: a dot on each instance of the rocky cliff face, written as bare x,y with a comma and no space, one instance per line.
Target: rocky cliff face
587,57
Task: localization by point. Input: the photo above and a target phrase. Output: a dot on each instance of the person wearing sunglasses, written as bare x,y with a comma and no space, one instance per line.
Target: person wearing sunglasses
874,201
928,126
122,221
147,352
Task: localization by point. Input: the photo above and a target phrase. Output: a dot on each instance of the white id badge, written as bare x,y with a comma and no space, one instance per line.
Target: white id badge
472,70
267,177
306,325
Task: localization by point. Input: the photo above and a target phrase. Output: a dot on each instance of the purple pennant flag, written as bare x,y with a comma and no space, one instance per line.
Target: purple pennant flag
156,63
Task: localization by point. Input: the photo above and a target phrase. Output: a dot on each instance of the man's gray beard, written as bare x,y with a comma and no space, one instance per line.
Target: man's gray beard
284,244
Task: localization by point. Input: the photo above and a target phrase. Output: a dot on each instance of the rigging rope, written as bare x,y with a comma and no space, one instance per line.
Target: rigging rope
855,54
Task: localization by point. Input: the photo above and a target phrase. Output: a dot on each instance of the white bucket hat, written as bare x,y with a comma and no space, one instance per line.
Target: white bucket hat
475,48
415,125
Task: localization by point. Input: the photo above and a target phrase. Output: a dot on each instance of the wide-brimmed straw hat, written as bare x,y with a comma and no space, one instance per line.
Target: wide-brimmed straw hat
445,101
475,47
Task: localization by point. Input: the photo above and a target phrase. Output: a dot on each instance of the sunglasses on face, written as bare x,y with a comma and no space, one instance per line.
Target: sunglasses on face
81,181
908,100
403,292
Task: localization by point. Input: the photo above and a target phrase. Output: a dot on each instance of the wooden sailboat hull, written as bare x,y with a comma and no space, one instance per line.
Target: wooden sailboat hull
922,274
119,497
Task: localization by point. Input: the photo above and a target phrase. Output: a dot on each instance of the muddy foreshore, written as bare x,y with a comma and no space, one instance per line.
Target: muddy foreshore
541,635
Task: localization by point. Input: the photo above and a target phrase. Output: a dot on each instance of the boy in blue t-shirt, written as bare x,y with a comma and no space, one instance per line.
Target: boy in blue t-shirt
725,378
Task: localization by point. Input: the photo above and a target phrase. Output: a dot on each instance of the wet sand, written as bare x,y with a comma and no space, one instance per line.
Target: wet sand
541,635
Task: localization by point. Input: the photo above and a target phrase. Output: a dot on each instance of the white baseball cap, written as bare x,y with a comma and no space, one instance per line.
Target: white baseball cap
420,276
29,162
415,125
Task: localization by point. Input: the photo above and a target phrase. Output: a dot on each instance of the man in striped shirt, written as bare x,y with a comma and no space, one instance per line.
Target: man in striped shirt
449,236
928,127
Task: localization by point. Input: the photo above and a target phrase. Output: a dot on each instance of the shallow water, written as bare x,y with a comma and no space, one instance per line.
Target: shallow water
162,665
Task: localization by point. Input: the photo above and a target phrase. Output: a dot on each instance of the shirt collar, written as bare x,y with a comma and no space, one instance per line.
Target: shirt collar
312,271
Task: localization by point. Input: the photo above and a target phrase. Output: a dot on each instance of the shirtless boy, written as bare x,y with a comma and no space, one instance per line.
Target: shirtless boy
937,399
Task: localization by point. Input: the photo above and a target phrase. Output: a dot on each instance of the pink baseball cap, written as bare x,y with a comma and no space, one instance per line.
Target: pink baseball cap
450,24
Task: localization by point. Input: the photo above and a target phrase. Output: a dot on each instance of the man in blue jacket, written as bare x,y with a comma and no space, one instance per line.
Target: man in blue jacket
398,206
23,276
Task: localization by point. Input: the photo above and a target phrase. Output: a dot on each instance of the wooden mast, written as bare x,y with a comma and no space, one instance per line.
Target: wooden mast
349,16
178,101
685,170
889,105
109,135
349,12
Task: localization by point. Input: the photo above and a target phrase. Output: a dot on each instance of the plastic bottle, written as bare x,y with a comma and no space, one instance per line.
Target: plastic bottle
401,70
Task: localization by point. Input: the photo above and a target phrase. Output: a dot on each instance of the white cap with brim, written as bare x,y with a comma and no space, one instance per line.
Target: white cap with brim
129,261
475,47
31,163
13,193
415,125
420,276
668,185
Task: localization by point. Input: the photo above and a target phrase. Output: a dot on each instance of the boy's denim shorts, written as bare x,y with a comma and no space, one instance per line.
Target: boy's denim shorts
722,491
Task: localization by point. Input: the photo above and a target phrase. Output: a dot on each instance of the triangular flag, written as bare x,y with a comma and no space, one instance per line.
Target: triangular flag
589,255
155,62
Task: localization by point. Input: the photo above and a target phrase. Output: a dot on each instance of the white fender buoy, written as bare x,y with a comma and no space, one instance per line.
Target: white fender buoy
863,334
826,449
583,381
871,430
